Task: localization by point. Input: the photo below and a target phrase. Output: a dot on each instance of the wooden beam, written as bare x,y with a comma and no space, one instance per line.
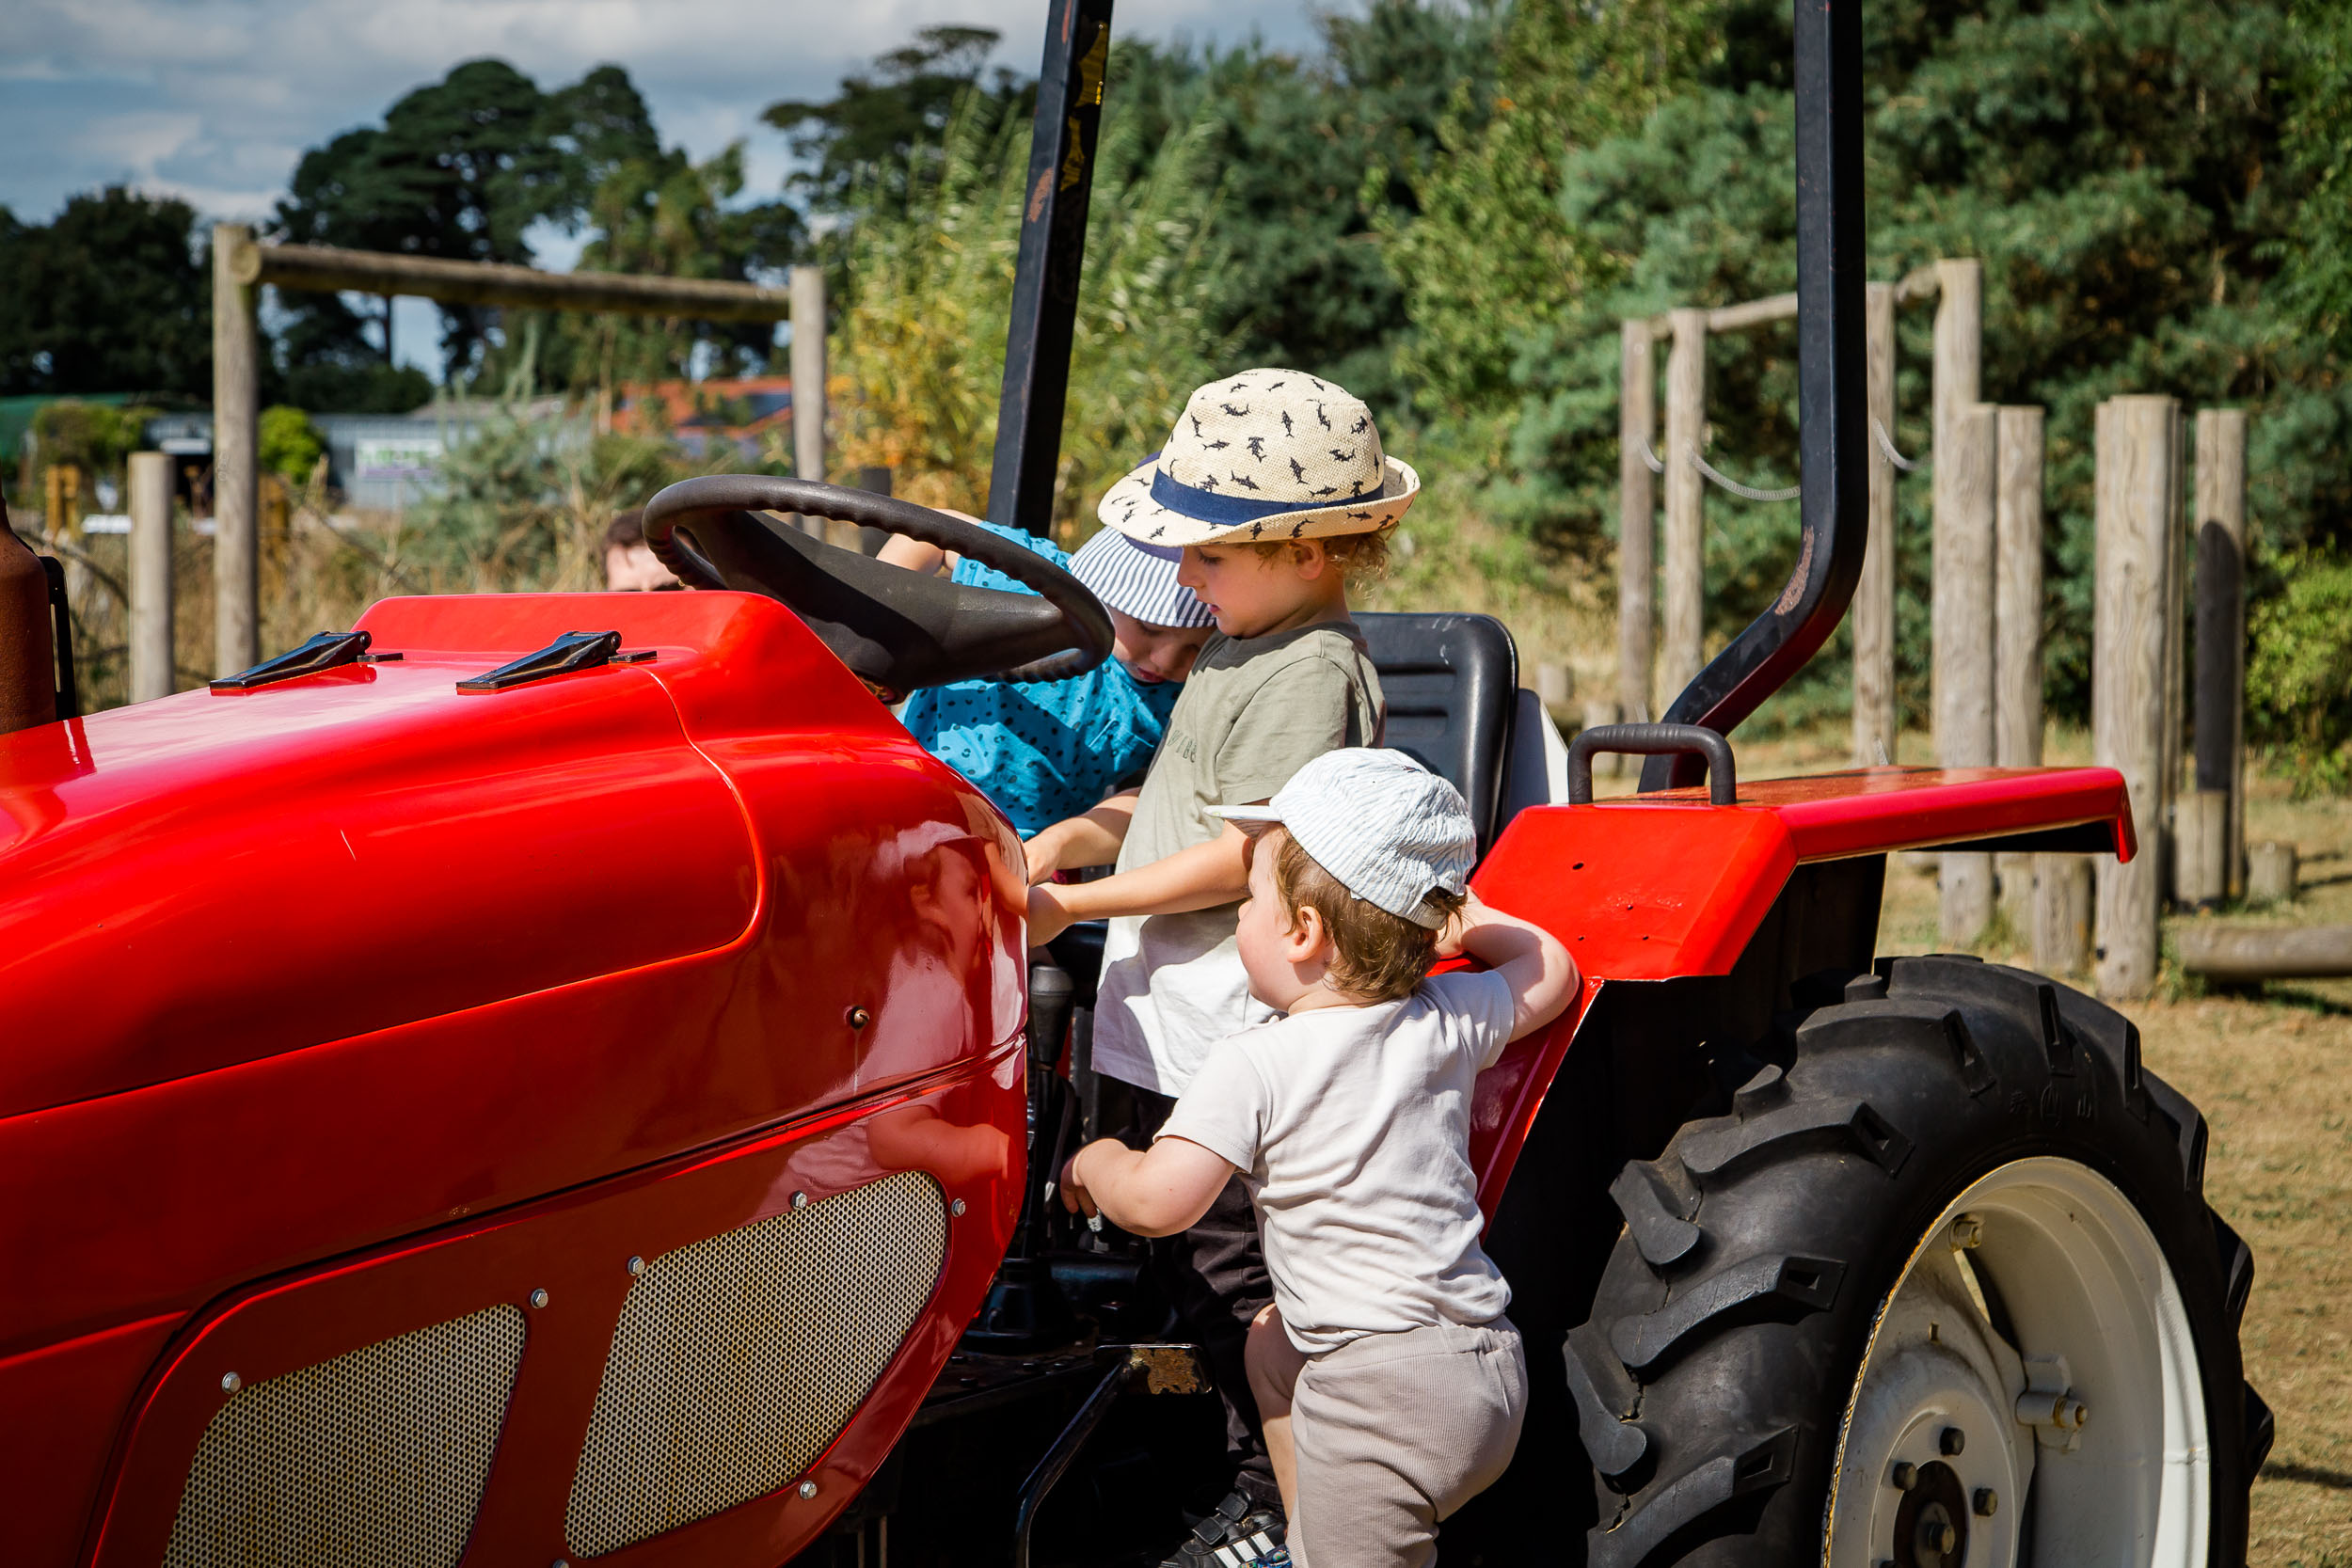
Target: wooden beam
1874,595
2264,952
808,387
150,576
1637,518
1686,493
326,269
236,416
2220,715
2017,625
1964,527
2136,518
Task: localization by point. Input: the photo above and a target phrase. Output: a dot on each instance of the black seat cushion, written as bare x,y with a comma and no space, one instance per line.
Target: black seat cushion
1451,683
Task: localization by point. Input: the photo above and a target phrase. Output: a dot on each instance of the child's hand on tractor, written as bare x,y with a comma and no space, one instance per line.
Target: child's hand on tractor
1074,1195
1048,917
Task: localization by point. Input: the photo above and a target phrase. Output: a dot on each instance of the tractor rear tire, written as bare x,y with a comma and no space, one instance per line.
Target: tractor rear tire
1946,1272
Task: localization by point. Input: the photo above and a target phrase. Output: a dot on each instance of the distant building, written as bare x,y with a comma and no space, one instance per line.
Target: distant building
379,461
753,413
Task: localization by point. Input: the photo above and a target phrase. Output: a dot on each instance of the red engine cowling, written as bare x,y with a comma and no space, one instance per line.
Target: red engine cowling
581,1115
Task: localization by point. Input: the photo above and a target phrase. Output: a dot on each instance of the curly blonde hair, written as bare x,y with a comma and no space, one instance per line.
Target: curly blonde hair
1360,557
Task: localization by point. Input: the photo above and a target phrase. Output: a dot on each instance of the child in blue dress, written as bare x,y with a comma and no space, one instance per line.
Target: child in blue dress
1046,752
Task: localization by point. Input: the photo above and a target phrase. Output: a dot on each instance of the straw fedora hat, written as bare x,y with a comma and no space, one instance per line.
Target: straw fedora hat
1262,455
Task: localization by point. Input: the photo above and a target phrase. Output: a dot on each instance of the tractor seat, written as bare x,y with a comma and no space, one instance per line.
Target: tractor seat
1452,686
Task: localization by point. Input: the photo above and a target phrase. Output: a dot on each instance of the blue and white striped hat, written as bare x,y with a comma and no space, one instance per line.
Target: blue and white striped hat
1137,580
1390,830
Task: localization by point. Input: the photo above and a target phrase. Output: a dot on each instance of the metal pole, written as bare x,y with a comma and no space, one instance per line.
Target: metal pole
1637,518
808,382
150,576
2136,474
1686,501
1832,434
1874,597
1045,274
1964,644
236,416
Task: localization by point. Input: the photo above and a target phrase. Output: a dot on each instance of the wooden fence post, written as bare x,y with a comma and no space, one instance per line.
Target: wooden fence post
808,382
150,576
2017,626
2212,821
2132,633
1686,491
1964,644
1874,595
1959,351
236,416
1637,517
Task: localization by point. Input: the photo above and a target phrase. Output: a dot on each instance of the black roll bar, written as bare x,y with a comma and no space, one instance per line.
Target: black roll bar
1833,440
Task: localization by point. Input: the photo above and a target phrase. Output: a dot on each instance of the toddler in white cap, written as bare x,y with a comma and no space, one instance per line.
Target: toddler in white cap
1390,1384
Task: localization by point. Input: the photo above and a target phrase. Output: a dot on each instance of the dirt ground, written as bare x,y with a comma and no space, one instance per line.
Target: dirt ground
2271,1067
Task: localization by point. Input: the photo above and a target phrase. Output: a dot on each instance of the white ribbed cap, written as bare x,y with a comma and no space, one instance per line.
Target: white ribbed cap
1390,830
1137,580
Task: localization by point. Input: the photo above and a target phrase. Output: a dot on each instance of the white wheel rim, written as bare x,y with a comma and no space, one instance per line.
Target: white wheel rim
2097,1320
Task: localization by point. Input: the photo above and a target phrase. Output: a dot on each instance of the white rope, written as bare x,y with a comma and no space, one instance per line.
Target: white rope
1738,489
1886,445
1656,464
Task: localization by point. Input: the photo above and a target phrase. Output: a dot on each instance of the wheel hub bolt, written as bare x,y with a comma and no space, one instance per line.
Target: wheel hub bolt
1952,1441
1987,1502
1967,1233
1937,1537
1906,1476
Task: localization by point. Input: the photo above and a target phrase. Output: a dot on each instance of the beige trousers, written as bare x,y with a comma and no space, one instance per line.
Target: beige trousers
1395,1432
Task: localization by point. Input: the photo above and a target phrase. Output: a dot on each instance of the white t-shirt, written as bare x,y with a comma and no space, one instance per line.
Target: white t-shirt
1351,1126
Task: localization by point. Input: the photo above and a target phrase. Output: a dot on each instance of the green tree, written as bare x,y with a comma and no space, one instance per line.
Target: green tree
459,169
112,295
2116,164
884,122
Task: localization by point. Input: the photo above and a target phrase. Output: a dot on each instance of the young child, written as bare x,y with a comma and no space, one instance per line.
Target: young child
1275,485
1044,750
1391,1384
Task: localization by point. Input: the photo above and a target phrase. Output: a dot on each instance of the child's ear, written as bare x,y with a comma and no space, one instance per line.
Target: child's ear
1308,937
1307,559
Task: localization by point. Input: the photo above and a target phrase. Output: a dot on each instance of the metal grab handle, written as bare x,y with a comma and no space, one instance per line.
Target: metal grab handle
1722,787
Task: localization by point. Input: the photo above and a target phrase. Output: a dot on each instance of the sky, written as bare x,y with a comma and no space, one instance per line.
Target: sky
215,101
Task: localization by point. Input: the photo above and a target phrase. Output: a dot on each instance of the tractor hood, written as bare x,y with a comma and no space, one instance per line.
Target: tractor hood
219,877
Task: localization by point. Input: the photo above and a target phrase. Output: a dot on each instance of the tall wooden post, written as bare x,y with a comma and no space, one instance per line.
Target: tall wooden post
1637,517
2220,717
1686,493
1874,597
2017,625
1959,345
1964,644
236,416
150,576
2175,660
808,381
2139,473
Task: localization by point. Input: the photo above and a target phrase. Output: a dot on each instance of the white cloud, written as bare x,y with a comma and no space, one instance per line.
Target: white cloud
215,100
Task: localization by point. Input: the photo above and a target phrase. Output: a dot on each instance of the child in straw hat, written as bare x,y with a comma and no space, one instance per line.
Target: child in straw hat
1275,487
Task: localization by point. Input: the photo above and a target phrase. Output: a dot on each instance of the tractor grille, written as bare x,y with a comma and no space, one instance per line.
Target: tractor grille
739,1358
376,1459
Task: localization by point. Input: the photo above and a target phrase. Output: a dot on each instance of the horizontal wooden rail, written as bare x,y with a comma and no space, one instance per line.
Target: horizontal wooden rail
326,269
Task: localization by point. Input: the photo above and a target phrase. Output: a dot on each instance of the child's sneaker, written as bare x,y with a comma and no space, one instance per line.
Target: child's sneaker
1236,1525
1260,1550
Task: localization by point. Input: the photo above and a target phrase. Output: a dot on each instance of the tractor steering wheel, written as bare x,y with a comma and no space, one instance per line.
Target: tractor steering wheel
896,629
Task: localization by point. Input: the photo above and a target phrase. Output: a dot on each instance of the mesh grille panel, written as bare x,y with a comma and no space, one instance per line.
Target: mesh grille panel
376,1459
737,1359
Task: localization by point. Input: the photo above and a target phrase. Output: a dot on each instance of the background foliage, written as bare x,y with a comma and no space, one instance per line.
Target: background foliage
1447,206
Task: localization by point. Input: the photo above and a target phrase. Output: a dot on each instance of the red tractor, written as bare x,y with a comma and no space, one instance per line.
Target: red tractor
544,1078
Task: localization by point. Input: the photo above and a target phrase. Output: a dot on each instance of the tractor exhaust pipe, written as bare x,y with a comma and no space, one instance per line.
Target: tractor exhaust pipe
28,654
1832,435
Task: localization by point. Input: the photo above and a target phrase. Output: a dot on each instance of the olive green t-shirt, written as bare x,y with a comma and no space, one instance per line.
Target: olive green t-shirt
1253,712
